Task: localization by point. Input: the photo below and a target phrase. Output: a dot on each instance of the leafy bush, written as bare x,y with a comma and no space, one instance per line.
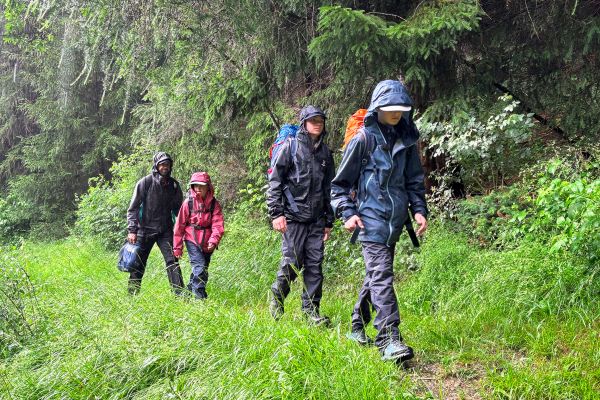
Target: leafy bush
13,219
252,204
102,210
569,210
558,205
488,150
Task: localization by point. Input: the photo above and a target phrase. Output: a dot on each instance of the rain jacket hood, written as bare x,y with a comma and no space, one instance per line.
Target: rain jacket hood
307,113
388,93
204,178
160,157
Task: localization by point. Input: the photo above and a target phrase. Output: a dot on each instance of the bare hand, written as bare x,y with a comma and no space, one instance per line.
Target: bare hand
210,247
132,238
280,224
327,234
422,222
352,223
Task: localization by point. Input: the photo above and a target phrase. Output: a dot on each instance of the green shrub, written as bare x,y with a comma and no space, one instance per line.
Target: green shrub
568,210
488,151
559,205
102,211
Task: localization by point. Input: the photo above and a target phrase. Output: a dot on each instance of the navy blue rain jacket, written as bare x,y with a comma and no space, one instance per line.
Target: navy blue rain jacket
391,179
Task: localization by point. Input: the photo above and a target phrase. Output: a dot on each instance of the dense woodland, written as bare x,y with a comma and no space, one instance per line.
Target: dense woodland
90,89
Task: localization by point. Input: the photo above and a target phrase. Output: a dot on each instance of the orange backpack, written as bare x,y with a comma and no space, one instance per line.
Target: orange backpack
355,122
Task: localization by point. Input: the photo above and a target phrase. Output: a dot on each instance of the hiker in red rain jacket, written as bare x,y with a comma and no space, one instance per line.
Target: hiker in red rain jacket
200,225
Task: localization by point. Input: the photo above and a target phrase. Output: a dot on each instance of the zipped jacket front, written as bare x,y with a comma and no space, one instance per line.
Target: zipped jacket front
307,175
156,203
200,225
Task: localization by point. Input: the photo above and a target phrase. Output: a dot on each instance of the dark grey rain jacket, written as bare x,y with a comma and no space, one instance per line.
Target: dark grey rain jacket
306,175
155,202
388,178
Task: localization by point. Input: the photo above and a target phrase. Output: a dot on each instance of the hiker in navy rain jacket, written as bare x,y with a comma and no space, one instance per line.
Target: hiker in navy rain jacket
382,164
155,202
298,199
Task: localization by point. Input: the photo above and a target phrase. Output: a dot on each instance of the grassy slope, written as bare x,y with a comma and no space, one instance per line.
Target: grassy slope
518,324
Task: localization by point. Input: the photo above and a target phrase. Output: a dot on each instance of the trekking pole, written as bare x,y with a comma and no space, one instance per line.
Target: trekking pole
411,232
355,235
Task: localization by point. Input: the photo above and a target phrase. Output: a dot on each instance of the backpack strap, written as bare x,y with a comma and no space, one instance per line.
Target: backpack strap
190,204
146,184
369,147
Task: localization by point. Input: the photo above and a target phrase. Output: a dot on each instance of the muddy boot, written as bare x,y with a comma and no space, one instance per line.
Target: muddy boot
201,294
134,286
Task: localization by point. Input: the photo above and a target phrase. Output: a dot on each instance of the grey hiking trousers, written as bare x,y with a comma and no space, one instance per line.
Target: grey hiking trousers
377,293
302,249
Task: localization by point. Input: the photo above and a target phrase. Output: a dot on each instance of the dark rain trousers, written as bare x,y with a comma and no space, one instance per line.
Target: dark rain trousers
377,293
302,250
165,244
199,276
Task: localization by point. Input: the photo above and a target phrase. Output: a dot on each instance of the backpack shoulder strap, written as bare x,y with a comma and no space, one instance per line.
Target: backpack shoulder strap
369,146
293,147
190,204
146,184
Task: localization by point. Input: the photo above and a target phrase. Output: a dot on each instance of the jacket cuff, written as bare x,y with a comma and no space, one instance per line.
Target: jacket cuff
348,213
419,210
275,216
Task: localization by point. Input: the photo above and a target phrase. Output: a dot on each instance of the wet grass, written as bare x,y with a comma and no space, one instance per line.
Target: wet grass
511,325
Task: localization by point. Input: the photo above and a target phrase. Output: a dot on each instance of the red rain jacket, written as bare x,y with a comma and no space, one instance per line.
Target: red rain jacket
198,226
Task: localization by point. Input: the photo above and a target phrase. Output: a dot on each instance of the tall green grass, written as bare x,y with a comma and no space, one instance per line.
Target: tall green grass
518,324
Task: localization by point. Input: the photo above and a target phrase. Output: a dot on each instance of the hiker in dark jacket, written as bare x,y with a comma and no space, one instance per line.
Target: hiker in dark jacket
156,200
299,207
382,164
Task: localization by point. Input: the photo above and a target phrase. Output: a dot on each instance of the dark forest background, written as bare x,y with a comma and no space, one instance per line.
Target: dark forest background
507,96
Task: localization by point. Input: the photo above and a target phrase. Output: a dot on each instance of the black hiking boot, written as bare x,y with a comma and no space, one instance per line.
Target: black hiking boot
276,309
316,319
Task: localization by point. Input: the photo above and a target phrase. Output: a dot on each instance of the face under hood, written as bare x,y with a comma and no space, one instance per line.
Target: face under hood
199,178
159,157
309,112
388,93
